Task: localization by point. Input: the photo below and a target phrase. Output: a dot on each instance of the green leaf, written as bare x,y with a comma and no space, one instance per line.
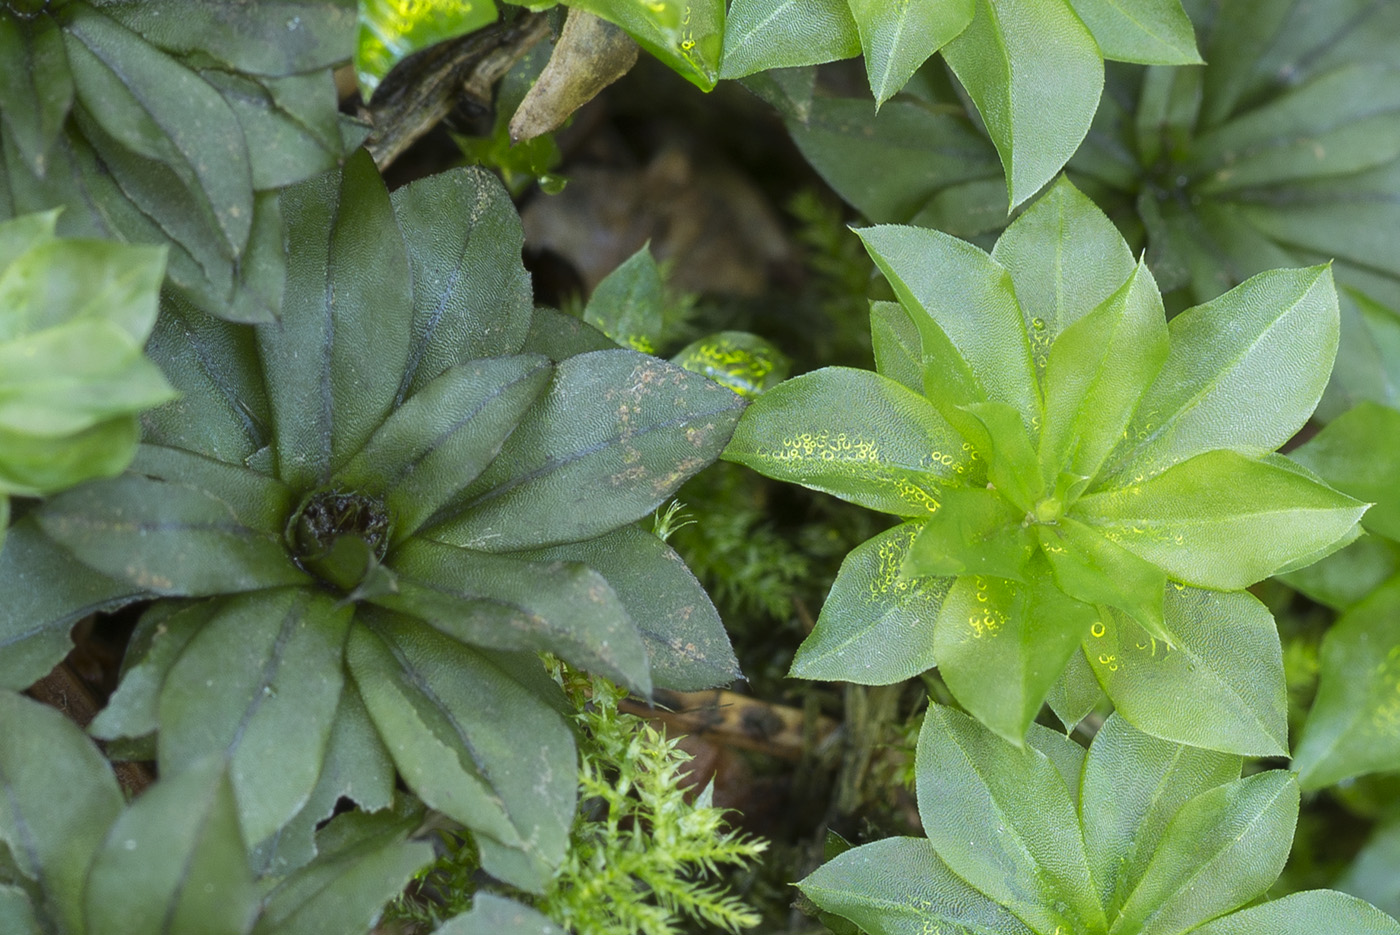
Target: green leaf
471,295
1095,570
1224,521
175,862
47,591
877,624
738,360
495,915
765,34
898,352
392,30
1096,371
1002,819
900,886
686,644
456,719
65,281
17,913
1315,912
1371,875
1035,74
974,338
1066,259
1001,645
898,37
687,35
52,838
1076,694
1348,576
628,304
258,685
363,861
1359,454
1219,684
999,432
856,435
1244,372
615,435
1134,784
35,464
36,90
974,531
1354,724
444,436
334,363
1223,849
19,235
1152,32
167,538
504,602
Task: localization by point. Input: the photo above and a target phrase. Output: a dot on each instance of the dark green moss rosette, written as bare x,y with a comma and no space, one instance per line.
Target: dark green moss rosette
174,121
360,524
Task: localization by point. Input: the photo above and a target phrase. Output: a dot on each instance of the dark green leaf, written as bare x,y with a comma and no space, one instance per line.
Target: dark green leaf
455,720
1315,912
504,602
162,634
1077,693
1003,820
495,915
856,435
877,625
357,767
159,109
363,861
334,362
293,120
1223,849
1001,645
267,38
167,538
936,169
222,411
1348,576
1035,74
559,336
1224,521
1354,724
36,90
174,862
471,294
764,34
46,592
1359,454
1219,684
17,912
685,641
443,436
614,436
738,360
1371,875
1134,784
900,886
259,686
52,838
